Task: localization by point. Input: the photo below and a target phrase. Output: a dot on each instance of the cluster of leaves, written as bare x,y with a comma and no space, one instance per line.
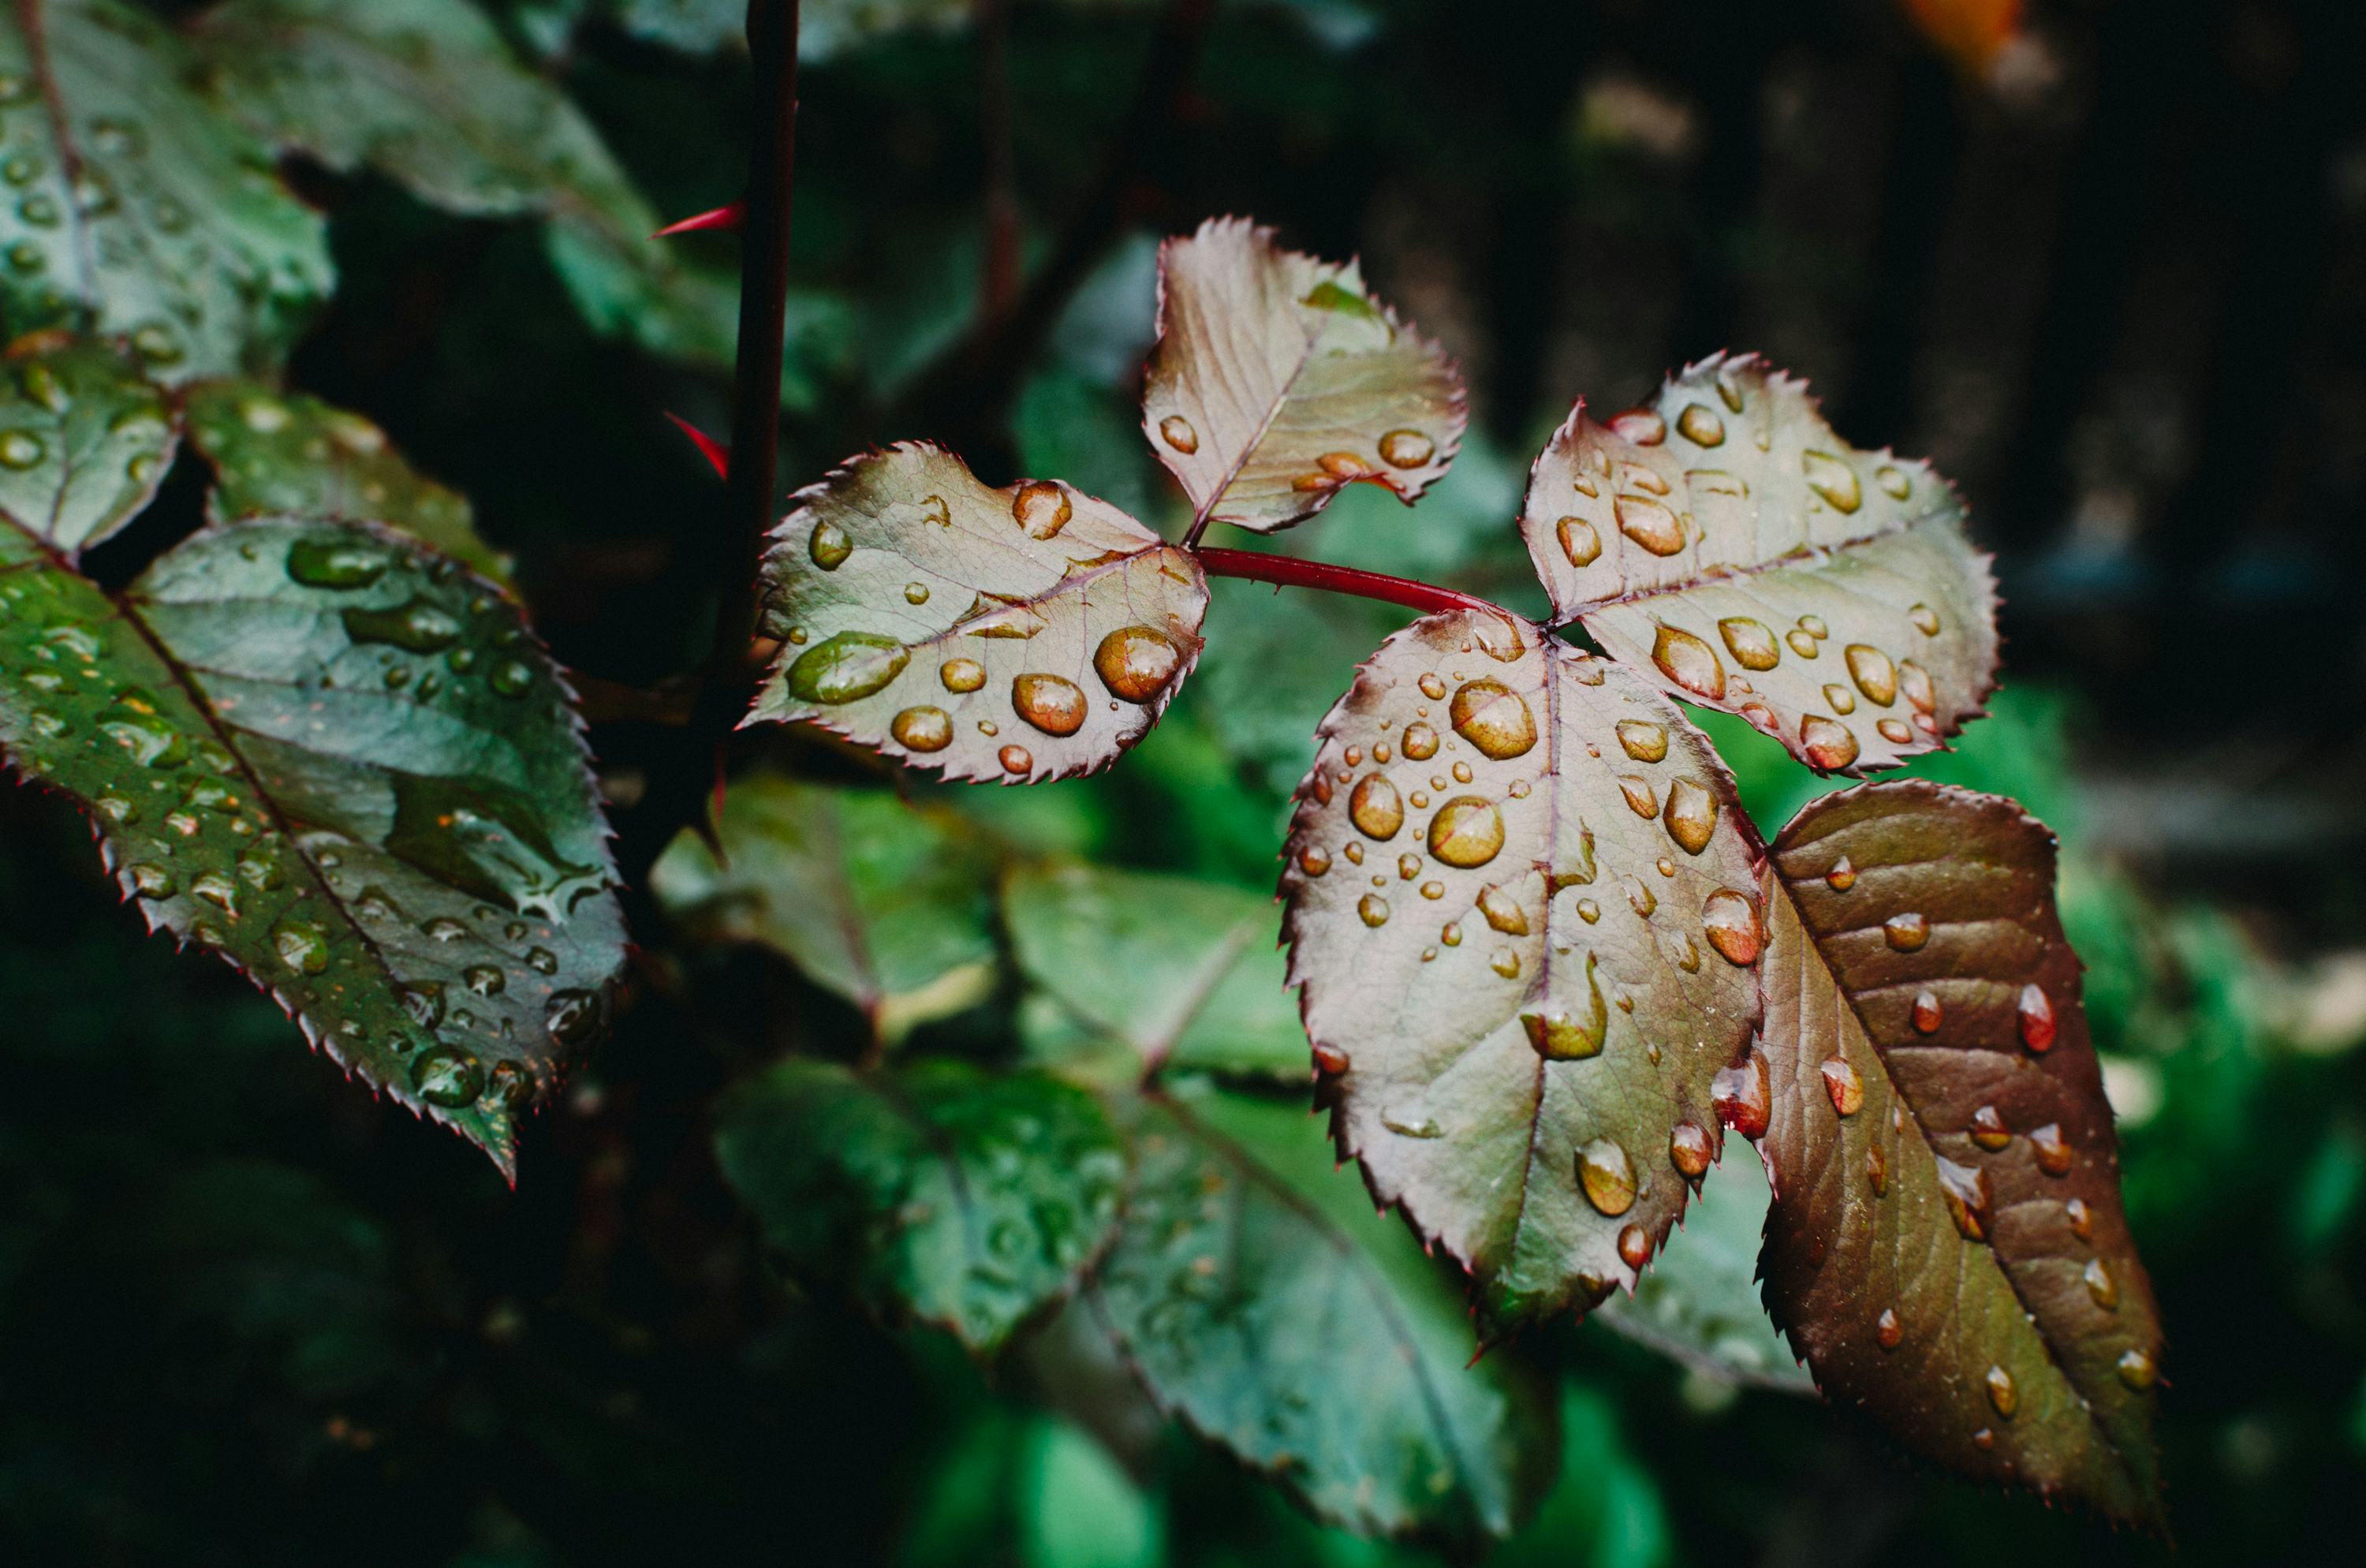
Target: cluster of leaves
1544,959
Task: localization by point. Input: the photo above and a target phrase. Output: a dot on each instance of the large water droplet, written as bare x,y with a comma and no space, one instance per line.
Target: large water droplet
1041,508
1053,703
1136,662
1873,672
1375,807
301,946
922,729
1691,816
829,546
847,667
487,840
1177,432
1562,1036
1751,643
1906,932
574,1018
1832,480
961,674
1607,1176
1827,743
418,624
1689,662
1642,740
1743,1095
1578,541
1373,910
1730,923
1406,448
447,1078
1650,524
1841,1083
1467,831
1690,1151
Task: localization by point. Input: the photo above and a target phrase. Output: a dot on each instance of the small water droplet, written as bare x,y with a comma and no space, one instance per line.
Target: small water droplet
961,674
1987,1129
1136,662
1887,1331
1177,432
1925,619
1841,877
2035,1014
1375,807
1408,1126
301,946
1406,448
484,980
152,881
1873,672
1837,697
1841,1083
1730,921
1927,1014
1828,744
1504,962
1877,1170
1016,759
542,961
1578,541
1833,479
1689,662
2136,1370
1607,1176
1743,1095
1689,1150
1893,482
1641,426
2082,1219
1053,703
2002,1394
1801,643
2101,1286
922,729
1650,524
1691,815
1965,1189
2053,1152
1494,718
1906,932
1640,800
1041,508
1751,643
1701,427
447,1078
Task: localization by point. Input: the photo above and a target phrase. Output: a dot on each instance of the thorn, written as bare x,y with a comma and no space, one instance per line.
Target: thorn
727,217
711,449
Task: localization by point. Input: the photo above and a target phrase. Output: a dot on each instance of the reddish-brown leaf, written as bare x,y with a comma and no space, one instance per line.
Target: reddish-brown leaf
1947,1247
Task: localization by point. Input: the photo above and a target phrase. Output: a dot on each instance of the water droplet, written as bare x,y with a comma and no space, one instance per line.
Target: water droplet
447,1078
1925,619
1041,508
1906,932
1841,877
2002,1394
1827,743
1504,962
922,729
1467,831
1730,923
1374,910
1177,432
1887,1331
1579,542
1984,1440
1691,816
542,961
2101,1286
1837,697
1689,662
1375,807
847,667
1560,1036
1743,1095
1927,1013
1641,426
1053,703
1915,682
1877,1170
1136,662
1801,643
829,546
1701,427
1642,897
1650,524
1751,643
574,1018
1640,798
1494,718
1408,1126
1355,853
152,881
1313,861
1689,1151
1420,742
301,946
21,449
1450,934
1634,1247
1408,866
2136,1370
444,928
1016,759
2082,1219
961,674
1406,448
335,563
2034,1015
1841,1082
1965,1189
1874,674
484,980
1607,1176
1987,1129
1503,912
1588,910
1894,483
1832,480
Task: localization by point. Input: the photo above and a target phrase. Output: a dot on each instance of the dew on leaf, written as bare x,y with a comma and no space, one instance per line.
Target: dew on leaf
1375,807
1016,759
829,546
961,674
1468,831
1053,703
1608,1178
847,667
1906,932
1406,448
1689,662
1494,718
1691,815
1041,508
1650,524
1843,1084
922,729
1832,480
2034,1014
1136,662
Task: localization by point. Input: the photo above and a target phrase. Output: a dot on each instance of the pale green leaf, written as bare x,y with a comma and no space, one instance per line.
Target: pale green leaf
1522,903
1277,378
1022,633
1185,972
1947,1246
286,452
887,905
933,1191
137,209
1264,1303
1725,541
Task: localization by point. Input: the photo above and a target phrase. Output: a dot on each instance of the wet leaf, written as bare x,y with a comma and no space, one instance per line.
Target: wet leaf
1726,543
1520,906
1699,1304
1022,633
1185,972
1277,378
1265,1305
142,211
933,1191
427,93
84,440
887,905
1951,1254
340,760
286,452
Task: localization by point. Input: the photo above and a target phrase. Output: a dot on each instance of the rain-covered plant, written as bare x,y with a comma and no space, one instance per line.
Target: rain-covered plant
1544,962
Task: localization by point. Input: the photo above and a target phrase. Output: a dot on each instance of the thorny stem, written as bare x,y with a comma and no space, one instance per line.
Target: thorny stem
1289,571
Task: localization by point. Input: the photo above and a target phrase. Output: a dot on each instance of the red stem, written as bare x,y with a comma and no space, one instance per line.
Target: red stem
1289,571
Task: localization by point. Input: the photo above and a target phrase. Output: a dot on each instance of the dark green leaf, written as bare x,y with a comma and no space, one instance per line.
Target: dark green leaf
142,211
1265,1305
1947,1246
341,762
84,441
934,1190
1185,972
889,905
287,454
